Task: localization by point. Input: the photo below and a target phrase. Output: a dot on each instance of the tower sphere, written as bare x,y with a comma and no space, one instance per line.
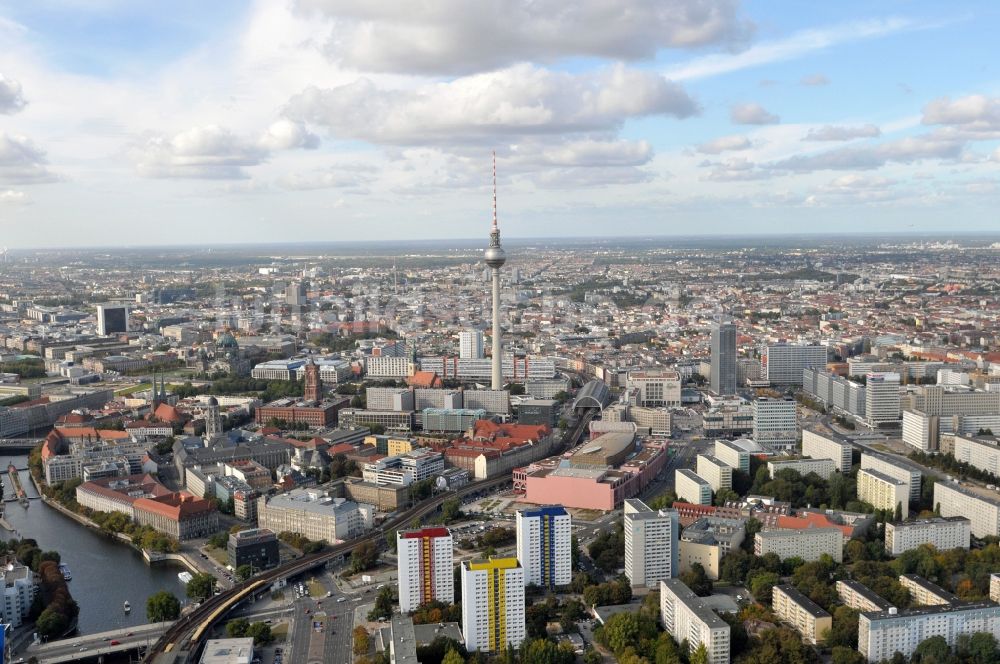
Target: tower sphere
495,257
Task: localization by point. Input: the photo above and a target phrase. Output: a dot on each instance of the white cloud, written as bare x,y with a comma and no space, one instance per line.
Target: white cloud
855,181
814,80
287,135
724,144
461,37
347,176
842,133
753,114
22,161
13,197
11,96
523,100
974,113
794,46
209,152
903,150
736,169
581,153
573,178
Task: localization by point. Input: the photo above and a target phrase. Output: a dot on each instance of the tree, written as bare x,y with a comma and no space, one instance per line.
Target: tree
162,606
700,655
364,557
452,657
932,651
237,628
261,633
761,585
696,579
244,572
51,624
844,655
362,641
201,587
383,604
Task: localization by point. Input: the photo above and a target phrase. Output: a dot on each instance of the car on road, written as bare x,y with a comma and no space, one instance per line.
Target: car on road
129,633
115,642
343,599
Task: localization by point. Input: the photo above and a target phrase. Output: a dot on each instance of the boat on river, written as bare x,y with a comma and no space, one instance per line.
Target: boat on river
127,606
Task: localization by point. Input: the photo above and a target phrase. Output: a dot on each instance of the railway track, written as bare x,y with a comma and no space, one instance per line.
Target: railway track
191,628
188,632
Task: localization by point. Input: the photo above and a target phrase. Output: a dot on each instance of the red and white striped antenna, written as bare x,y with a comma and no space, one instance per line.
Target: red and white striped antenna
494,190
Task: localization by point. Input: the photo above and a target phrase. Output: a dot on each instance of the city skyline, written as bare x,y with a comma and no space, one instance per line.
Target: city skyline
230,122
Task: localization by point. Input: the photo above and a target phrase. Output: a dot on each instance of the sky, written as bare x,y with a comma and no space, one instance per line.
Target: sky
125,122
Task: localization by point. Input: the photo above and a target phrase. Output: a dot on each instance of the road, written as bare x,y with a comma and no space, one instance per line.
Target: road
94,645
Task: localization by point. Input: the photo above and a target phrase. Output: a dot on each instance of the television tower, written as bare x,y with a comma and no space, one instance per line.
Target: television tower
495,258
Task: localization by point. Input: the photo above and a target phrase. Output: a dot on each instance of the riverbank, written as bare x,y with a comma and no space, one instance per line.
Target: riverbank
150,557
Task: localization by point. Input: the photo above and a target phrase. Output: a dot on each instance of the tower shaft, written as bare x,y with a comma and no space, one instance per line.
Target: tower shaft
496,366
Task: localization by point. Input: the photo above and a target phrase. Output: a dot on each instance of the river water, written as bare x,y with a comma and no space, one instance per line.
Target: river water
106,573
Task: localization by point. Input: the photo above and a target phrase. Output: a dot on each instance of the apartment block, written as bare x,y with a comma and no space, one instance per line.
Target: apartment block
882,398
425,566
925,593
708,540
980,506
774,424
492,604
651,543
784,362
882,634
544,545
691,488
981,454
805,615
817,445
995,587
860,597
687,618
944,533
895,469
883,492
822,467
732,455
718,474
808,544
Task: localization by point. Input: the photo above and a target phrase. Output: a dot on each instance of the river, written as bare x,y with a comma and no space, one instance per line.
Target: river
106,573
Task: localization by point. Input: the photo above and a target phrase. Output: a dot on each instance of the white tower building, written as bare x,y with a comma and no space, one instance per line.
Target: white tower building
495,258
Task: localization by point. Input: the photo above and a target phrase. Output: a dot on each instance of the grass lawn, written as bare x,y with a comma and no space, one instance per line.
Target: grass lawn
280,631
316,589
218,555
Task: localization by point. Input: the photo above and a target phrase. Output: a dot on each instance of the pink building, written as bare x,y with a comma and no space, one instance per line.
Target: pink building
556,481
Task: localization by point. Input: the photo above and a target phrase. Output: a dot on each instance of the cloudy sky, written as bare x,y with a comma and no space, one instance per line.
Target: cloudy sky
122,122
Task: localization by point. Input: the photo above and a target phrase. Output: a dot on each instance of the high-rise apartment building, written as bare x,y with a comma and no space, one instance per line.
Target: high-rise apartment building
884,633
808,544
805,615
784,362
492,604
718,475
651,543
723,377
882,398
544,545
822,445
943,533
425,564
732,455
774,424
112,318
895,469
692,488
980,506
884,492
470,345
686,617
822,467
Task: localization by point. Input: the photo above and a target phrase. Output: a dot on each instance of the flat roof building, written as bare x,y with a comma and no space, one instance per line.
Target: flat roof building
883,492
718,474
860,597
883,633
692,488
651,543
925,593
808,544
800,612
824,445
687,618
944,533
980,506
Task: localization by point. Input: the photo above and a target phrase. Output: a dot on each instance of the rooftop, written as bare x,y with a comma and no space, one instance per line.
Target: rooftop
804,602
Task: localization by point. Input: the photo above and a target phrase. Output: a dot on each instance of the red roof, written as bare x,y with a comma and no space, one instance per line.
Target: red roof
167,413
175,505
810,520
425,532
424,379
341,448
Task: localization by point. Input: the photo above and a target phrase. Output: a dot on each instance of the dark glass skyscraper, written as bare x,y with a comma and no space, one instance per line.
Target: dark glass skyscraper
724,357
